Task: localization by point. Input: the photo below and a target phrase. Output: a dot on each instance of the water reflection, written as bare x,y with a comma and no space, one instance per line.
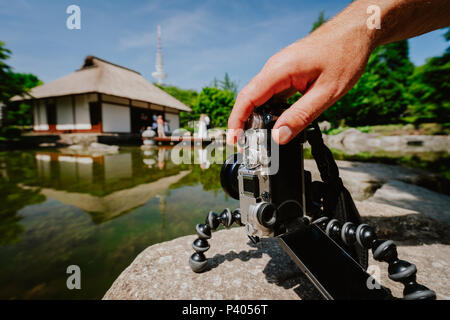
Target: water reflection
98,212
86,171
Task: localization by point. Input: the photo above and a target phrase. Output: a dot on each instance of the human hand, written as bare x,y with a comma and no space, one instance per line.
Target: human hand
323,67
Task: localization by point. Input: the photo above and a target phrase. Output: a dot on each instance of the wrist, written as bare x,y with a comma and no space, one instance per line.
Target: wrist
362,25
349,29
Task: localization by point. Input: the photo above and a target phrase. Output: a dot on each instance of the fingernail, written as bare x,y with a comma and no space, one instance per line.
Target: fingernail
284,135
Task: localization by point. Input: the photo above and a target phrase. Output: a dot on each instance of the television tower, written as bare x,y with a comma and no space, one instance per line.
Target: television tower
159,73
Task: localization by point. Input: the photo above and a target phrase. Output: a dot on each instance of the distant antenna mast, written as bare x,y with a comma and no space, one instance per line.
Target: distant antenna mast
159,73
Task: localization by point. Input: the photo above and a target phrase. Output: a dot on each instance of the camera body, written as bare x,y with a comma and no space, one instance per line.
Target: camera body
268,179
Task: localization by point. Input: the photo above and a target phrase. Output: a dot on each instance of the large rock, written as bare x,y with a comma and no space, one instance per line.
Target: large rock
363,179
416,198
353,141
239,270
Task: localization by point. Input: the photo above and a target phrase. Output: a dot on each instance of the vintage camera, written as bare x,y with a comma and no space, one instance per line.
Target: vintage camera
268,179
315,222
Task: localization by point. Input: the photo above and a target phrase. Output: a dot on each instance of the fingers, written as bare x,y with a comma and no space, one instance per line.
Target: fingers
260,89
302,113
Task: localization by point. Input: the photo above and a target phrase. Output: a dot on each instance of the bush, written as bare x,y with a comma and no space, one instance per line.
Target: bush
11,132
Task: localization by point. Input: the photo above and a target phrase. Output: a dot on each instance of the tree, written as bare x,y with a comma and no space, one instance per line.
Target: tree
320,21
15,84
216,103
430,89
226,84
229,85
187,96
381,94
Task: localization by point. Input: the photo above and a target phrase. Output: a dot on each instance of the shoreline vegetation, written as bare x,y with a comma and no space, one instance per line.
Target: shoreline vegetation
431,129
434,162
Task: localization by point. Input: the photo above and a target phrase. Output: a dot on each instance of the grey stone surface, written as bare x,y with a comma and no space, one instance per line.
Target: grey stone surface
416,198
353,141
324,125
239,270
363,179
236,270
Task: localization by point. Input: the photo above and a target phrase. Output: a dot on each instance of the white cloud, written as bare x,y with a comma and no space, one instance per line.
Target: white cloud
180,28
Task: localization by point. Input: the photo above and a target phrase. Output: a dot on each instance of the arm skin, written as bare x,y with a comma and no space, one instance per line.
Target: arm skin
326,64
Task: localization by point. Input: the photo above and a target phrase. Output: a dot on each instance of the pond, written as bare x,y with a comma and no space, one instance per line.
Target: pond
100,211
96,212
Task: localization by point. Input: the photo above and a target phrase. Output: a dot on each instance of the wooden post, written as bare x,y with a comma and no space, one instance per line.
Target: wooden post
74,113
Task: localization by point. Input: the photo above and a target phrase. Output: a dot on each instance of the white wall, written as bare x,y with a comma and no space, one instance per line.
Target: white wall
174,120
40,116
82,115
115,118
64,114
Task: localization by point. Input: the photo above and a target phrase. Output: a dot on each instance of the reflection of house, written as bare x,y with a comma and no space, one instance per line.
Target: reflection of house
101,97
117,203
68,178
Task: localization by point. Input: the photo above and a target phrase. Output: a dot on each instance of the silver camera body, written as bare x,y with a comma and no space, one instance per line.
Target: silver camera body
270,179
253,181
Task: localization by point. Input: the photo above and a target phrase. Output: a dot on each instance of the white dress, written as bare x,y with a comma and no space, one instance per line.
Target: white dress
202,129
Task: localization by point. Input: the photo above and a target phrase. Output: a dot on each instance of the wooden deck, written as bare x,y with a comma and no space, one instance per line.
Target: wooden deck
183,140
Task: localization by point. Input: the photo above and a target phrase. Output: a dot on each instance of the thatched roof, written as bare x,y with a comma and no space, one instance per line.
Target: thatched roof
97,75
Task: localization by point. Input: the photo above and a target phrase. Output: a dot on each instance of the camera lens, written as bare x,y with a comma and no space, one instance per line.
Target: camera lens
229,175
267,214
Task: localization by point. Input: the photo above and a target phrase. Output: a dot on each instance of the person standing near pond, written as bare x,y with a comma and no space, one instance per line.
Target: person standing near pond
326,64
160,124
203,126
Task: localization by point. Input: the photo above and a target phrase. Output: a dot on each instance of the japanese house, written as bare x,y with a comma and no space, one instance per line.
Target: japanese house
101,97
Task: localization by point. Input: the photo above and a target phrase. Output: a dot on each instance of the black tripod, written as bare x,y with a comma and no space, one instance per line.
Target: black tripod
333,213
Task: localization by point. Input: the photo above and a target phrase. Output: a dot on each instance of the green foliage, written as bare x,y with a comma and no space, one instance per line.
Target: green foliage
12,84
187,96
19,114
11,132
216,103
291,100
226,84
430,91
381,95
320,21
392,90
15,84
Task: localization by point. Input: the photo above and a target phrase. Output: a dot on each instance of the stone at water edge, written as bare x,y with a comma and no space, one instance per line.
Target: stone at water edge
240,270
236,270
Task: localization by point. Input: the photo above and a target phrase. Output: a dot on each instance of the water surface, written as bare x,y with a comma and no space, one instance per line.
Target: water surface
97,212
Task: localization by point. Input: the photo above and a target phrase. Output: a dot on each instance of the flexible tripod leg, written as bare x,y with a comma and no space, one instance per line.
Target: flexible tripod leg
383,250
198,261
337,201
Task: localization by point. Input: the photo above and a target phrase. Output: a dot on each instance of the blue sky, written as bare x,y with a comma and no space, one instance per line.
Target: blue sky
202,39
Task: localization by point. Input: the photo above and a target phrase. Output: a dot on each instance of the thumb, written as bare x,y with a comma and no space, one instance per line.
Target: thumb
298,116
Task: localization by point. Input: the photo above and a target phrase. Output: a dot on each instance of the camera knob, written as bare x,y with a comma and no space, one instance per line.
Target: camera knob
260,137
266,214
